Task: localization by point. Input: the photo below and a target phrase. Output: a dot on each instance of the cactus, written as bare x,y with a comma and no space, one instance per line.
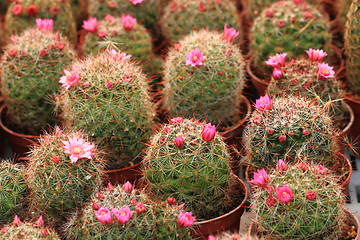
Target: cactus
21,14
231,236
183,16
301,201
144,218
12,190
108,97
189,161
288,127
287,27
31,64
63,171
198,88
352,47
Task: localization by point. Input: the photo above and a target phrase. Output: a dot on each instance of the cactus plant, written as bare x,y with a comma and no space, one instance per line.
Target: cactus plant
142,218
12,190
30,66
63,170
204,77
183,16
301,201
288,127
21,14
108,97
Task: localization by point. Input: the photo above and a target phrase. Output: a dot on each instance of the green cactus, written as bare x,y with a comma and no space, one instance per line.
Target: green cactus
21,14
292,126
183,16
201,90
110,101
12,190
352,47
63,171
31,65
300,202
148,220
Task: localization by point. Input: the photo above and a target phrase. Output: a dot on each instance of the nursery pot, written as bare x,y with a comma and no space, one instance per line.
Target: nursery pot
120,176
354,132
227,222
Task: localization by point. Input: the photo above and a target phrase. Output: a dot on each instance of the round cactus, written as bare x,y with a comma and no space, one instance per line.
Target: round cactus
301,201
183,16
21,14
288,127
287,27
108,97
31,65
124,213
12,190
204,77
64,169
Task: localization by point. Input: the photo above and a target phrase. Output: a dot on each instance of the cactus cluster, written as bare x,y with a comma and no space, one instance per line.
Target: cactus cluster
21,14
108,97
287,127
63,170
183,16
124,213
31,64
300,201
204,77
12,190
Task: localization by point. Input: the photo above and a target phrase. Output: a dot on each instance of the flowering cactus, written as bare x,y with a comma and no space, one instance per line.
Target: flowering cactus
289,127
194,75
120,214
299,203
63,171
21,13
30,66
108,97
189,161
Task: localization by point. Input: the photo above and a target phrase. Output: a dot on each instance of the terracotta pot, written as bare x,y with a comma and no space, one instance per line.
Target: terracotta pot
354,132
259,84
227,222
346,131
120,176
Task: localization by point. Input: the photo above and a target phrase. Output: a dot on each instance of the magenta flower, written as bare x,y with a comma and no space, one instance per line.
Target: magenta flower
277,61
229,34
121,56
195,58
134,2
127,187
320,169
104,215
40,222
264,103
211,237
281,166
284,194
208,133
298,1
77,149
140,208
179,142
45,25
70,78
316,55
90,25
16,221
176,120
128,21
171,201
277,74
123,215
260,178
311,195
185,219
325,71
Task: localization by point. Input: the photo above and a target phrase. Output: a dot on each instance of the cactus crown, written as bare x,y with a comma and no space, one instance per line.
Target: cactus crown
109,99
31,64
300,201
199,88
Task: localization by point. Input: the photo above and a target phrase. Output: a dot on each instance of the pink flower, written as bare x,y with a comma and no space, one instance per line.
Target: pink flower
277,74
176,120
104,215
12,52
269,14
123,215
127,187
325,71
284,194
208,133
305,132
140,208
298,1
95,206
308,15
136,1
44,232
280,24
270,201
260,178
101,34
311,195
179,142
282,138
277,61
270,131
185,219
171,201
17,9
316,55
32,10
257,120
16,221
40,222
195,58
320,169
109,85
90,25
281,166
43,53
128,22
229,34
77,149
55,159
109,18
264,103
110,187
70,78
211,237
45,25
167,130
122,56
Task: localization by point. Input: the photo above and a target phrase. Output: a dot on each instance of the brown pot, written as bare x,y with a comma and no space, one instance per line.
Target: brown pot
120,176
259,84
227,222
354,132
